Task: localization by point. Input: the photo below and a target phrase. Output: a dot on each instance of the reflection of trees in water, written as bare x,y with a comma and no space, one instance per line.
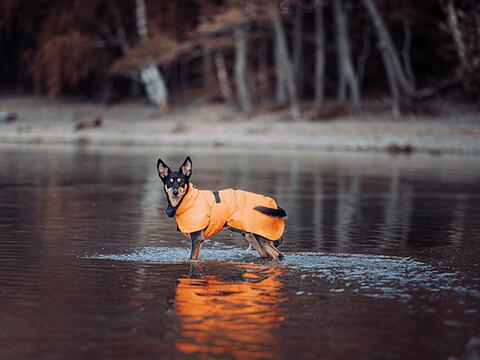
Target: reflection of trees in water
339,205
348,205
234,317
396,221
459,215
318,192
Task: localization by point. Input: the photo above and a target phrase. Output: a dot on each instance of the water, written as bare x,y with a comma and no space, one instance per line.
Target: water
382,257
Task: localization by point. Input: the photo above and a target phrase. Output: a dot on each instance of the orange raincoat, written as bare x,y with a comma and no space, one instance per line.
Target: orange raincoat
200,210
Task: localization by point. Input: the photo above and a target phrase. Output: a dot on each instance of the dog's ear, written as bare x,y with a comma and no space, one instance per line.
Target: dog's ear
163,169
186,168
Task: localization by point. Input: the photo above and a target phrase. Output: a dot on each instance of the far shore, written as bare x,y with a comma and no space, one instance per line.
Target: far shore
43,121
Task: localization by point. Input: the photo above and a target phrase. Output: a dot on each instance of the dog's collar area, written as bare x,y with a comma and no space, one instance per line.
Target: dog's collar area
170,210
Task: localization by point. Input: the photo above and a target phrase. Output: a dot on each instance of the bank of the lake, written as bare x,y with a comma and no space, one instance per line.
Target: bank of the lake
52,121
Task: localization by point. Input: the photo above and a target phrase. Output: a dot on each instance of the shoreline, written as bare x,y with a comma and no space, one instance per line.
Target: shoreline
43,121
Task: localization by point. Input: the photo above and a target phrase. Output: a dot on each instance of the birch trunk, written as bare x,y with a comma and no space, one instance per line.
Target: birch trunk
319,53
241,67
298,47
392,83
407,43
286,65
223,78
150,76
457,35
385,39
345,60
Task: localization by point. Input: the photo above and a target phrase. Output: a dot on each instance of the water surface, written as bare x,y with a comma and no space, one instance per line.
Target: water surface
382,257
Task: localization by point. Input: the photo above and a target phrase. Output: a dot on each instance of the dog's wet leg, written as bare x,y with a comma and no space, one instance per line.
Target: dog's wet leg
269,248
256,245
197,241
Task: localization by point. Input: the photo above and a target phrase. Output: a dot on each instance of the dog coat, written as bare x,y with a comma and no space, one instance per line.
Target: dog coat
211,211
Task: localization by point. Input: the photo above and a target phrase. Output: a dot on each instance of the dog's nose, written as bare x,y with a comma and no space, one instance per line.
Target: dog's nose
175,192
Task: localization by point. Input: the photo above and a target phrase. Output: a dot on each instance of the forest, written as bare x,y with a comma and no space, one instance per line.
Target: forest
248,54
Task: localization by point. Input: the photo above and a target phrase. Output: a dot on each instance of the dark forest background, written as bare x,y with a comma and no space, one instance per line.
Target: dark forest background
248,54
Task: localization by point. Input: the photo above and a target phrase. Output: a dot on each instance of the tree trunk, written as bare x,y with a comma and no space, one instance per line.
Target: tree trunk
392,83
298,47
263,66
363,57
385,39
407,42
223,78
280,93
319,53
208,74
150,76
286,64
457,36
240,68
345,60
106,94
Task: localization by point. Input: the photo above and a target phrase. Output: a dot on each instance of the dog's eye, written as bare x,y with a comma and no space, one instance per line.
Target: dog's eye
179,180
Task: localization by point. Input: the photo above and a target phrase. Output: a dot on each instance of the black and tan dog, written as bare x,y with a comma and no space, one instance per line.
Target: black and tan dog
202,213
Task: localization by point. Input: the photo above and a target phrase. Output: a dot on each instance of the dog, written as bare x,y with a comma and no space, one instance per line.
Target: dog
203,213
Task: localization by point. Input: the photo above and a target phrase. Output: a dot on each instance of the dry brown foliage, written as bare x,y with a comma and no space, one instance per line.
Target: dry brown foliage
160,49
64,60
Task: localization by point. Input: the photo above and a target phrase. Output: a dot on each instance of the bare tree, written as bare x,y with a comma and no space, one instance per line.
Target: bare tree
150,75
241,68
454,26
319,53
298,46
398,81
345,61
280,91
285,63
223,78
364,54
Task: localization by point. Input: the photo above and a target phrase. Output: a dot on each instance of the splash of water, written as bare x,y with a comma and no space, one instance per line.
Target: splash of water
390,277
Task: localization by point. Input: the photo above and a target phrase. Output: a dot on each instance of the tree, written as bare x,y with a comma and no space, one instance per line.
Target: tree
319,53
346,69
399,83
463,21
285,64
230,24
150,75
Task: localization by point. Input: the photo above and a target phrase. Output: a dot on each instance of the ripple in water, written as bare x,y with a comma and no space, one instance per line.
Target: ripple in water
377,276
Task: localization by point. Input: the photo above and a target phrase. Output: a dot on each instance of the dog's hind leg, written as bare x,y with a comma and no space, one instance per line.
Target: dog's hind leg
252,240
269,247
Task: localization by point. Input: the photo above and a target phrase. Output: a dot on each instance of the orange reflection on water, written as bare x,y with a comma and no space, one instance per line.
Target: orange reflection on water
230,318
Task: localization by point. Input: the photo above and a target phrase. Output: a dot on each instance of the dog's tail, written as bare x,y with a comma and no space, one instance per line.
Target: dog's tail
280,213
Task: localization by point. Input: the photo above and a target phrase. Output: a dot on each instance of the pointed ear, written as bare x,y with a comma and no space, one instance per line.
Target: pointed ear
186,168
163,169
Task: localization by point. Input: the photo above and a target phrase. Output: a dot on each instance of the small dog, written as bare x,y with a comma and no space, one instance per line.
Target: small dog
203,213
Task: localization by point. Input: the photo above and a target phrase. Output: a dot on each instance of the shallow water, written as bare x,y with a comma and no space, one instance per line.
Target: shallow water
381,257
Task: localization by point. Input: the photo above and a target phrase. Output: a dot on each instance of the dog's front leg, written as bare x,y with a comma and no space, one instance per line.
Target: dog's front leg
197,241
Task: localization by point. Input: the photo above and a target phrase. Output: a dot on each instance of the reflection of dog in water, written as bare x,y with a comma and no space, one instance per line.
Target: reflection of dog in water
232,315
203,213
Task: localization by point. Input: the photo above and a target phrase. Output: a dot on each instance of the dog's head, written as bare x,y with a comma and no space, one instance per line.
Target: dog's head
175,183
